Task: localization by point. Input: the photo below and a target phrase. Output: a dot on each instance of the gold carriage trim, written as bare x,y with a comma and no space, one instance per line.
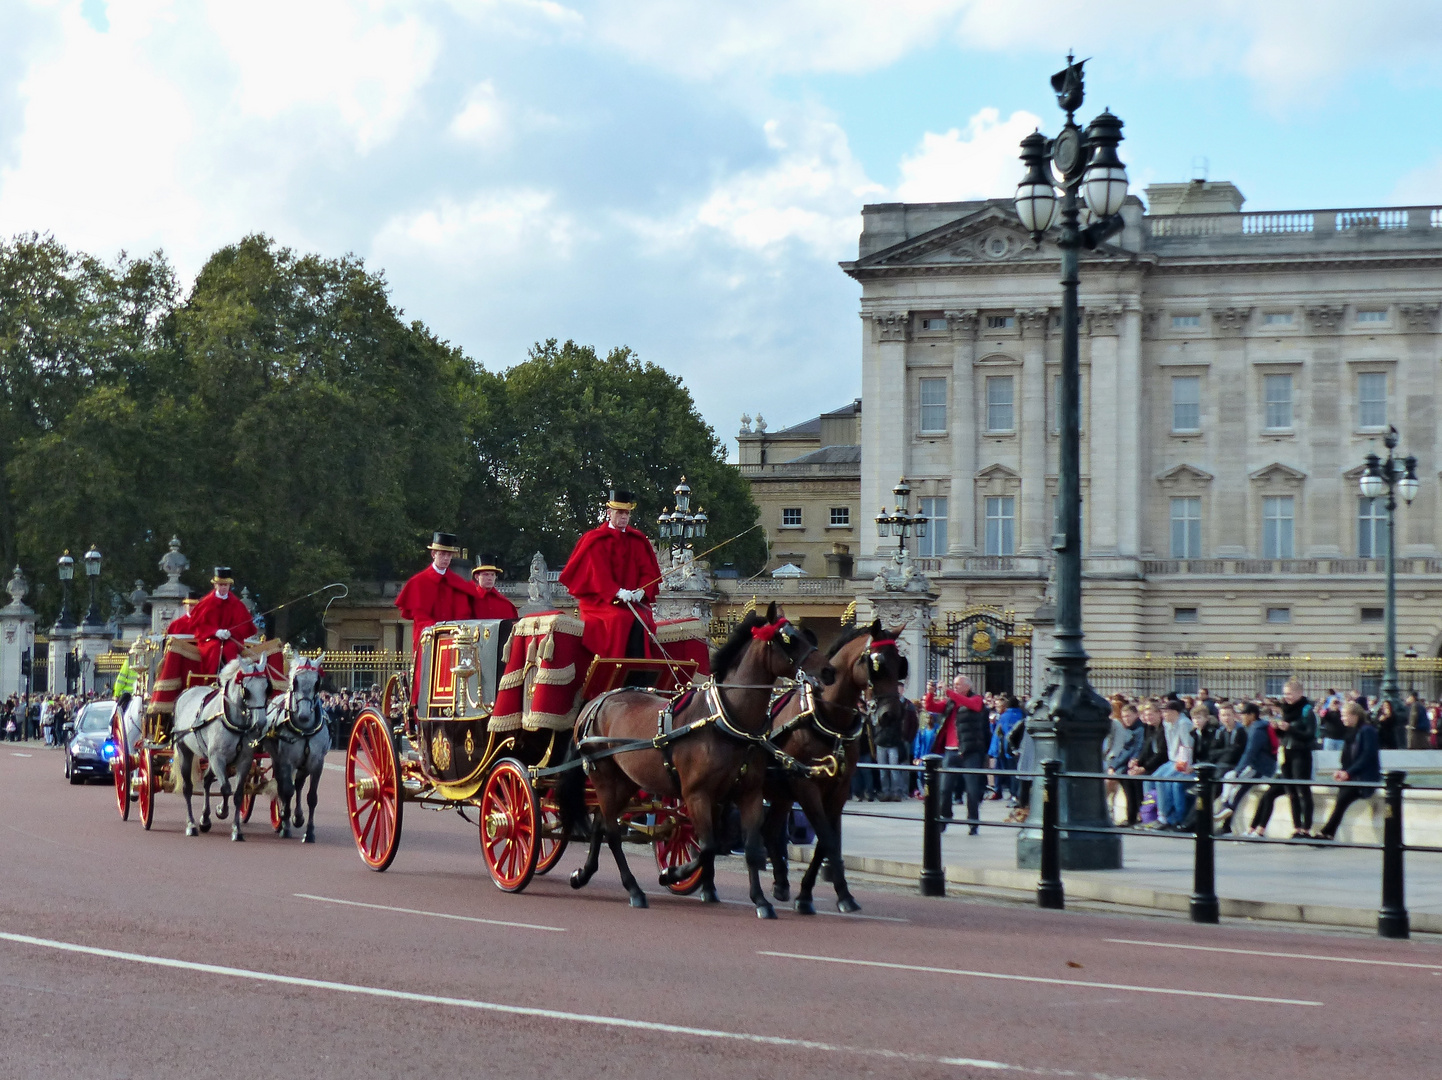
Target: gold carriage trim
441,751
508,722
556,676
512,679
187,649
168,684
683,630
543,721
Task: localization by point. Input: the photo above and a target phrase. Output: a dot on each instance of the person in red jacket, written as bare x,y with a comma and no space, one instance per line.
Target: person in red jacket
493,604
613,574
961,741
220,622
437,594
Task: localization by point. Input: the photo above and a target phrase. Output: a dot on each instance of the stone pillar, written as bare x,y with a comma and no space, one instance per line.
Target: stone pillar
62,644
908,614
94,642
1102,520
961,509
17,635
885,423
1034,536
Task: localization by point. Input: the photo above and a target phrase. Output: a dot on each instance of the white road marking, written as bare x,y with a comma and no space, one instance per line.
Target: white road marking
838,914
1039,979
547,1014
335,768
15,753
1279,955
431,914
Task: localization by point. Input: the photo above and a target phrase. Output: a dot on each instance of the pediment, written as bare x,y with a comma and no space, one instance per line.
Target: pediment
1277,471
992,234
997,472
1185,474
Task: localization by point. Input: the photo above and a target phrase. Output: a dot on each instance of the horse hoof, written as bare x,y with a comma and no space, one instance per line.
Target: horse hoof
578,879
191,831
708,896
205,826
299,820
235,836
668,876
638,900
221,814
765,911
308,838
781,892
805,907
847,905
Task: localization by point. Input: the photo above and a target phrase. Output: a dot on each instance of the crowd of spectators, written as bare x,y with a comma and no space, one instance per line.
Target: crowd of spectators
36,717
341,707
1152,740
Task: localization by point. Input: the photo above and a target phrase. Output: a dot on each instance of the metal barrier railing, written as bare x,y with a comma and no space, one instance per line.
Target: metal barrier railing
1393,920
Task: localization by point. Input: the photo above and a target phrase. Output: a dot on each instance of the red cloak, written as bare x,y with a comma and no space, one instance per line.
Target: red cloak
604,560
428,598
212,614
493,605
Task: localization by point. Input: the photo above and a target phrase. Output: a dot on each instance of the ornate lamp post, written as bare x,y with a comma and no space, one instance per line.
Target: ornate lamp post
92,574
1071,719
681,525
1388,477
65,568
900,522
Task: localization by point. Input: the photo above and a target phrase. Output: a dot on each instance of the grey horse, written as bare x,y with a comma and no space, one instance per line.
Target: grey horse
298,741
220,724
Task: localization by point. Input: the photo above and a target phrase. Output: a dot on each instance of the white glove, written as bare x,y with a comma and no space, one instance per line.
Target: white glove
223,635
623,595
638,595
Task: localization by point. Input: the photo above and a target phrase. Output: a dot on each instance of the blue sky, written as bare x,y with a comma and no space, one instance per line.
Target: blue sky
678,177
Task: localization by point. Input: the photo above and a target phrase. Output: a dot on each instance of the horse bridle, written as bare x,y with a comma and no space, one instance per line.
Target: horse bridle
811,704
239,681
317,720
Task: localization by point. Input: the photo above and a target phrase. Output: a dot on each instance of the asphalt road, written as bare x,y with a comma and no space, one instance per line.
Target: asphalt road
132,954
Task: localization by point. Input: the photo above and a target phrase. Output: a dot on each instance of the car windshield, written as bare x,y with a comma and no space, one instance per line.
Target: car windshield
95,718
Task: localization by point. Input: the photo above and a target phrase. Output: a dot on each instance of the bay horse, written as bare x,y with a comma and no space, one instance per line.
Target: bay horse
813,728
298,740
220,724
701,766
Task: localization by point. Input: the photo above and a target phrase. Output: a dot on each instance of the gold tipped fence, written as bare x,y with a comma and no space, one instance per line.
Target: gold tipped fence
1252,676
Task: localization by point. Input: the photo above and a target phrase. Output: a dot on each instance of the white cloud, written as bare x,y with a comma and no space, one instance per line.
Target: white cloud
523,224
979,163
482,118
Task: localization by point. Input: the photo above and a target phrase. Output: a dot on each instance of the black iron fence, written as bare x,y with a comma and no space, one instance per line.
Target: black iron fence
1257,676
1392,918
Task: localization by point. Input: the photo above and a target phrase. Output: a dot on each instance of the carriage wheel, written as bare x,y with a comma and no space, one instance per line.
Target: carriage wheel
145,782
373,790
679,848
120,772
510,823
553,837
275,815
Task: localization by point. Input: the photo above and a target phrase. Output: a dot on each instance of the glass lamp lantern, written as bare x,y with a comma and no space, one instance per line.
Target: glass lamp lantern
92,562
1373,486
1104,185
1408,484
883,523
65,566
1035,195
701,520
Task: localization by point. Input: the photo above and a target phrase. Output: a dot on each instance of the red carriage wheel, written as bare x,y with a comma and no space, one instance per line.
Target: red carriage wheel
120,773
679,848
275,815
245,805
145,782
553,838
510,821
373,790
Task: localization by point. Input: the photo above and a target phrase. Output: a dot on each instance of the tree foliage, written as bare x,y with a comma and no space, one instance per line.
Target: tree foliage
285,419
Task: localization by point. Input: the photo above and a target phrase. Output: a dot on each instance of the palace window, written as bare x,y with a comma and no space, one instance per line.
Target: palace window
1277,318
1000,322
1277,526
1185,322
1374,614
933,405
1186,403
933,324
933,544
1277,393
1184,614
1372,399
1000,415
791,517
1371,528
1187,527
841,517
1372,315
1000,525
1279,614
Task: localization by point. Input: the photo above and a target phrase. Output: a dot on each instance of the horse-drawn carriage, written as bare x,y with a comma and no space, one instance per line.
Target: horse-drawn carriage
546,741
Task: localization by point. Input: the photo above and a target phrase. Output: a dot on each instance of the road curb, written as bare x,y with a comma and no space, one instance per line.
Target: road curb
1141,896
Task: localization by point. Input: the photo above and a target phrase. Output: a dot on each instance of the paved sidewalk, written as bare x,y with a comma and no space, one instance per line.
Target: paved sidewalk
1332,886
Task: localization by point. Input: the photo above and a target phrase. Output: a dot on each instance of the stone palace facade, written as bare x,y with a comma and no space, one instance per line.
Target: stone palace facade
1236,369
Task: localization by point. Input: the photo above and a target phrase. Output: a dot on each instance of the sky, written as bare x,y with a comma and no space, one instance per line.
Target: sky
678,177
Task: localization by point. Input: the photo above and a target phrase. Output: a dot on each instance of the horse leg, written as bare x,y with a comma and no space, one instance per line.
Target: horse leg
704,812
583,874
205,782
603,780
185,762
773,832
311,799
628,880
241,773
845,902
285,786
810,799
753,810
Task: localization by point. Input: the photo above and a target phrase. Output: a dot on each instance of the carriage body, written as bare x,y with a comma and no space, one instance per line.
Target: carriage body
488,726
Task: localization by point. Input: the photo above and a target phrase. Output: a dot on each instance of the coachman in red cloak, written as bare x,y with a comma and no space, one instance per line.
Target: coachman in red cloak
613,574
438,593
220,623
493,604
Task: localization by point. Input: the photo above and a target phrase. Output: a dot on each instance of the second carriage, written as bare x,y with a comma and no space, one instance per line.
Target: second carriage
486,728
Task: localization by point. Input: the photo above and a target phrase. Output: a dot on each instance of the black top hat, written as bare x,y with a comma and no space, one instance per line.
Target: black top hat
222,576
1174,704
487,562
621,500
444,541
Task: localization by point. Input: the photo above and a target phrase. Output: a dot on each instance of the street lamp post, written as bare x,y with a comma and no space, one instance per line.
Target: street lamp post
1071,720
901,521
92,574
65,568
680,526
1388,476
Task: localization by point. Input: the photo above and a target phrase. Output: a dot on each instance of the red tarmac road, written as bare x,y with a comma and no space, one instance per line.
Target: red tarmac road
132,954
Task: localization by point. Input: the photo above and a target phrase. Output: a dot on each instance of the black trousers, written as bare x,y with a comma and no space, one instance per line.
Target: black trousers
1297,766
974,784
1345,798
1132,792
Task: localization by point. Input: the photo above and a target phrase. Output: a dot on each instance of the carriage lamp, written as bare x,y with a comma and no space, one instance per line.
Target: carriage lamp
1390,476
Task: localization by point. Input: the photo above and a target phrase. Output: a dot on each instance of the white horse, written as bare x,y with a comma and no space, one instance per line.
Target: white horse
298,741
221,724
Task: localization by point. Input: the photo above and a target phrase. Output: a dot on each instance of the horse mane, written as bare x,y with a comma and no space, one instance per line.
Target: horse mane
729,655
229,672
846,639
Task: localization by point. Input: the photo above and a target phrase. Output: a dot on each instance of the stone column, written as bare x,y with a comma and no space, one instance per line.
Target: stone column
94,642
908,614
1114,414
1034,537
961,509
62,644
17,634
885,423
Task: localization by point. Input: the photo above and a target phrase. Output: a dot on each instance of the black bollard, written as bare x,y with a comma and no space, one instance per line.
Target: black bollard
1205,908
1049,893
1392,921
933,874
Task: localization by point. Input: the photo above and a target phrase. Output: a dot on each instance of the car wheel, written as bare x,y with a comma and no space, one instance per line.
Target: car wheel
75,778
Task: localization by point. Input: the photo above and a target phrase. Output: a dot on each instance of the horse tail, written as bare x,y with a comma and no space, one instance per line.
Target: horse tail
571,787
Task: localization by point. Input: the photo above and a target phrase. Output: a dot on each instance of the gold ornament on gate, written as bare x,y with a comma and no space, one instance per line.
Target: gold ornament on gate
441,751
981,642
